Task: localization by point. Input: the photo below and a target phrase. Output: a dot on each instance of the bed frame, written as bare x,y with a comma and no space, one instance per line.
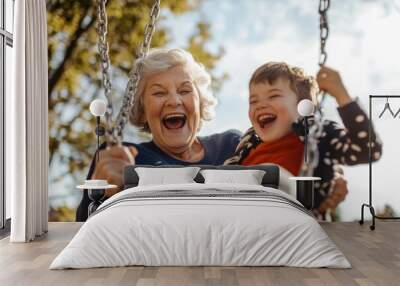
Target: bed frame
270,179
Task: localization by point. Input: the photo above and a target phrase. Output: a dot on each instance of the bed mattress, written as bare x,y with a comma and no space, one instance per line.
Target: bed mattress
201,225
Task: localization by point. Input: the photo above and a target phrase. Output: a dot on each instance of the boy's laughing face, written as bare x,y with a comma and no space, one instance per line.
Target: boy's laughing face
273,109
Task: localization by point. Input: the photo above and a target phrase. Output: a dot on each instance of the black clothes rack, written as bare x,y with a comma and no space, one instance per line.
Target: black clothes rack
369,205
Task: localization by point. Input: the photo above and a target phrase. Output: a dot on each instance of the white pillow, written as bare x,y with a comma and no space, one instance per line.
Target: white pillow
163,176
248,177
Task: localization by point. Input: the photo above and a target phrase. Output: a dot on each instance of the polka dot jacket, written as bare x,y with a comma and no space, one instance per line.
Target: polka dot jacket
337,145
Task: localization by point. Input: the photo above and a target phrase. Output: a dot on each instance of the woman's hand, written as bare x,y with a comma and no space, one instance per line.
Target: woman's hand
329,80
111,166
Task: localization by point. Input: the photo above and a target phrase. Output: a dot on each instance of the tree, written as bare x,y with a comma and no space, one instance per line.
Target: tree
74,71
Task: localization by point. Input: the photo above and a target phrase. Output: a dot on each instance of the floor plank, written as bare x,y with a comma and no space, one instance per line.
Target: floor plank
374,255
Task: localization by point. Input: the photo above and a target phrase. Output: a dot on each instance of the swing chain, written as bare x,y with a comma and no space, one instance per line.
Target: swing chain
316,129
323,33
149,29
103,49
114,132
324,29
134,74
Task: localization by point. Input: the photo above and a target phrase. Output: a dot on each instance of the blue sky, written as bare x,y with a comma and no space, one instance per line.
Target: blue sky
363,45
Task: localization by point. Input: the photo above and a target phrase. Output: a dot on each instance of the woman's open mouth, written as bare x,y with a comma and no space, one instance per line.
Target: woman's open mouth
266,119
174,121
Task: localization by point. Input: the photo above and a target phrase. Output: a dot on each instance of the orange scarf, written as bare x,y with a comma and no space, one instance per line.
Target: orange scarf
286,152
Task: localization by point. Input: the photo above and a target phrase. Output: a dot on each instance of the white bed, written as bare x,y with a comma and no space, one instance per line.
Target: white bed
224,225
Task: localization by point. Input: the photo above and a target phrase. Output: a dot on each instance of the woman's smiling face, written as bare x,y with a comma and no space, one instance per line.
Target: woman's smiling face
172,109
272,109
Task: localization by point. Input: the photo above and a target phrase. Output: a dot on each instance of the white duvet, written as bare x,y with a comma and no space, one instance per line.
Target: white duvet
183,231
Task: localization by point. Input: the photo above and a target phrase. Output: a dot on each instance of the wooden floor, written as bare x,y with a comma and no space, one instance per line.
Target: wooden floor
375,256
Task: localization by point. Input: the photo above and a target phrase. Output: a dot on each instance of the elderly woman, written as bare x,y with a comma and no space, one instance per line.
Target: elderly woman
173,100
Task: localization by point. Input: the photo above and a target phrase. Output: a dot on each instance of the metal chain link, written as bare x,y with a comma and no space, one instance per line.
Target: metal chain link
324,28
323,34
134,74
316,130
105,64
114,133
315,133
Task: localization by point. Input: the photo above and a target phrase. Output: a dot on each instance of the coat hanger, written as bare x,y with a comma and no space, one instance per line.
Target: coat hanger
398,111
387,107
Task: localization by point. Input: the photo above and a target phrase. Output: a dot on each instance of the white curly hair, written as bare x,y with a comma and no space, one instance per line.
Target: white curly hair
159,60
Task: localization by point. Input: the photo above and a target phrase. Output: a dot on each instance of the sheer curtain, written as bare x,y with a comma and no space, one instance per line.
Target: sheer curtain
27,124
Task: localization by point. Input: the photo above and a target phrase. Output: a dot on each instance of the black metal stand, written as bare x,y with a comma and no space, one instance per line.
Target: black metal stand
305,138
100,131
95,195
369,205
305,193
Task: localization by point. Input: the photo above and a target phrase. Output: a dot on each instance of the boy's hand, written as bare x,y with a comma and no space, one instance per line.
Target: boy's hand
337,196
329,81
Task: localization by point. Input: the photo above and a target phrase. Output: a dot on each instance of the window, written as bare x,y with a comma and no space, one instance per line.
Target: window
6,44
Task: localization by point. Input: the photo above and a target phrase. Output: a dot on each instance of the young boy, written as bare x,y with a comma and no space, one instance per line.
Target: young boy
277,133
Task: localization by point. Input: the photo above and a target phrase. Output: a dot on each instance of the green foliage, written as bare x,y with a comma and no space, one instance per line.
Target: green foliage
62,213
74,71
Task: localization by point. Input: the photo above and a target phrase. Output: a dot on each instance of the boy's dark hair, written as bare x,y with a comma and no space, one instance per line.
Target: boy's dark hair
303,85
